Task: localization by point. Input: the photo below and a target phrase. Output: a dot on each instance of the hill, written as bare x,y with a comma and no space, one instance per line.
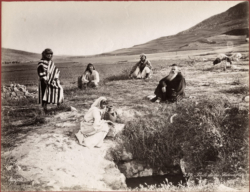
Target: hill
12,55
234,21
18,56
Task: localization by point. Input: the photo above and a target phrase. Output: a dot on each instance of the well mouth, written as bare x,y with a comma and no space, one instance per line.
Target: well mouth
156,180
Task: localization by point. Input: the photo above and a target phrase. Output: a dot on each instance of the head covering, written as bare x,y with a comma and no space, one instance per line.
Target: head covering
174,65
143,55
216,61
46,51
98,101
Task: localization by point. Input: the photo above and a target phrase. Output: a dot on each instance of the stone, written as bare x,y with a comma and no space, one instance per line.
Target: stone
146,172
22,89
126,169
8,168
140,167
16,89
4,90
114,178
185,167
126,156
246,99
132,168
13,94
73,108
19,93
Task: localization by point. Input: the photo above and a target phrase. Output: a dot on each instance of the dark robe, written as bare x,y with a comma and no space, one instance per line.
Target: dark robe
174,88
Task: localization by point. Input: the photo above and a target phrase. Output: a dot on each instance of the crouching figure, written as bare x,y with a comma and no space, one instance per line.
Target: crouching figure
222,57
171,87
142,69
93,128
90,78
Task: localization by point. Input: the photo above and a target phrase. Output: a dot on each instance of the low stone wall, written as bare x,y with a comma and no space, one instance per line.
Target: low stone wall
133,168
15,91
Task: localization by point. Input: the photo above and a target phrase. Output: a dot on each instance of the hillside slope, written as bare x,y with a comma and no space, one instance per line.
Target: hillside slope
235,19
18,56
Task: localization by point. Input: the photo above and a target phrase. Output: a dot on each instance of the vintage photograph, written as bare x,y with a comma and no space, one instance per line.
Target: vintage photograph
125,96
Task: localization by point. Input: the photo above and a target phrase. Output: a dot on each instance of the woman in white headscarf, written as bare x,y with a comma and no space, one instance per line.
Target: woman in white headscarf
93,129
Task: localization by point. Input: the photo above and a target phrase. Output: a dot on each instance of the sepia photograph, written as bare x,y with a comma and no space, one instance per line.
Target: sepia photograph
125,96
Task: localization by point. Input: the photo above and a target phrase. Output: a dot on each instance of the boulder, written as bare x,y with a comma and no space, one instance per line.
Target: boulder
114,179
134,169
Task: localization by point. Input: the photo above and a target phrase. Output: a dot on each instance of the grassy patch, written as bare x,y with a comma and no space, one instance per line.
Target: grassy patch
200,185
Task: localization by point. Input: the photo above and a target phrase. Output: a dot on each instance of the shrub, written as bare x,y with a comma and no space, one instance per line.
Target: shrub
122,76
205,133
238,90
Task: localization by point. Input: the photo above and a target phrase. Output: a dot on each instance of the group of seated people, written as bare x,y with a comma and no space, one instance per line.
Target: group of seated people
170,88
98,122
100,119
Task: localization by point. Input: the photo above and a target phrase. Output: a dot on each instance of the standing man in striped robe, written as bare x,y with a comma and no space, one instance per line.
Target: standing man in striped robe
50,90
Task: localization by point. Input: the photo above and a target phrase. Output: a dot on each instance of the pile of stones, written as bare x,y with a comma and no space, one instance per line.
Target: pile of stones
15,91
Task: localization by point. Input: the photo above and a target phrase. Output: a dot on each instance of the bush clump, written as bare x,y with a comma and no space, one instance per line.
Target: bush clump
210,135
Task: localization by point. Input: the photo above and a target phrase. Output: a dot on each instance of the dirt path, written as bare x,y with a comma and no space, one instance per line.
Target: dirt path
51,157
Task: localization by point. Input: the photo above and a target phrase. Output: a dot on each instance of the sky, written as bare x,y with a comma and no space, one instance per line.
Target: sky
87,28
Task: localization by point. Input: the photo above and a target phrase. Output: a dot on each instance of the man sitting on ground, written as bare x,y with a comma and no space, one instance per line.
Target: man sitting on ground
222,57
171,87
142,69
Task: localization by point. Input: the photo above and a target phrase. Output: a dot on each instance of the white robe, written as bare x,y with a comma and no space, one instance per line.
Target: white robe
94,77
141,75
93,129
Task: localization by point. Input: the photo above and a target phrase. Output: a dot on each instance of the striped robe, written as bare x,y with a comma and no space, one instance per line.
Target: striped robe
53,92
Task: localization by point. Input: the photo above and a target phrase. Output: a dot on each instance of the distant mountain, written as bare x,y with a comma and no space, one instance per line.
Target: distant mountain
207,34
12,55
18,56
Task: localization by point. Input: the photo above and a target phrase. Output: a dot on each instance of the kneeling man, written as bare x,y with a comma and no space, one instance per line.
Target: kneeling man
171,87
142,69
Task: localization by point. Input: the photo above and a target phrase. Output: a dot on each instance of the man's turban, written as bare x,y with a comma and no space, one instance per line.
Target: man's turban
143,55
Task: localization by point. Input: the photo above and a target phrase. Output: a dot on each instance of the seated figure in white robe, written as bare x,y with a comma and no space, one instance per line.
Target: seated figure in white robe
142,69
93,128
90,78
